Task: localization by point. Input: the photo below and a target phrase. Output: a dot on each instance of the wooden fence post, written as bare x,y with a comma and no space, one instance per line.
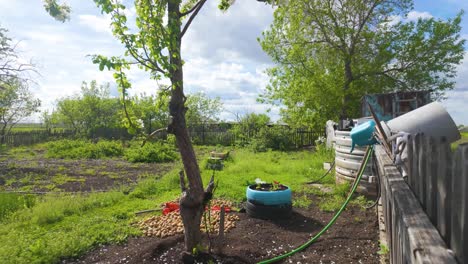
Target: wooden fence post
430,178
459,231
444,193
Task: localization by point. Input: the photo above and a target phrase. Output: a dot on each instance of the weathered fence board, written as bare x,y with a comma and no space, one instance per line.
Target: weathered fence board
459,232
439,181
411,235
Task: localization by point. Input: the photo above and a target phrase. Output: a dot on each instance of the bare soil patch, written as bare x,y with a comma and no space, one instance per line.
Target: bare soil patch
42,174
353,239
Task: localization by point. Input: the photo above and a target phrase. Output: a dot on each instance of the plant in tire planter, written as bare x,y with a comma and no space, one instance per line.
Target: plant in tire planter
268,200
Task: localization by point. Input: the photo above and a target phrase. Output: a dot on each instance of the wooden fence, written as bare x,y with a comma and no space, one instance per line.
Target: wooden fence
201,135
425,214
208,136
35,136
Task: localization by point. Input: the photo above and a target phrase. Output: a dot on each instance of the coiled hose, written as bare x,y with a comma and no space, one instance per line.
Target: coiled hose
335,217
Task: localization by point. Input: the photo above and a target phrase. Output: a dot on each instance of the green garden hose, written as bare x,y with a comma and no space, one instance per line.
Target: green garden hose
332,221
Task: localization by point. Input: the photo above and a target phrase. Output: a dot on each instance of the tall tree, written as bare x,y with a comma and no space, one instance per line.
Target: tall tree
16,103
155,46
329,53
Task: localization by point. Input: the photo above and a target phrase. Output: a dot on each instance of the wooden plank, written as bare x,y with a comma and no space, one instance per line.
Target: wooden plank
456,205
459,233
423,243
421,181
430,179
444,193
415,164
410,162
464,176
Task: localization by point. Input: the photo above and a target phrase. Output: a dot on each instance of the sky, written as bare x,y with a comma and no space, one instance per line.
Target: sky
223,57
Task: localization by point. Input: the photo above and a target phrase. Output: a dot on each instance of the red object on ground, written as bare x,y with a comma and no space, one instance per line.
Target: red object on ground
170,207
218,208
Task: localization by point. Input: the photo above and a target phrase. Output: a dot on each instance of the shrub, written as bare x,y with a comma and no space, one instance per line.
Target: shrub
275,138
151,152
81,149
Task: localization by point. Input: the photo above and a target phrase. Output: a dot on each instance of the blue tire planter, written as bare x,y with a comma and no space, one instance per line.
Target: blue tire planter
268,204
277,197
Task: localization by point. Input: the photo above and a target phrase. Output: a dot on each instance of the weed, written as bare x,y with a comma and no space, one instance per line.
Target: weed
90,171
384,250
301,201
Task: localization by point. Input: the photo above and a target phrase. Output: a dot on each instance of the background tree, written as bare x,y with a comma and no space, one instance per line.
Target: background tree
11,68
330,53
90,110
16,103
202,109
151,110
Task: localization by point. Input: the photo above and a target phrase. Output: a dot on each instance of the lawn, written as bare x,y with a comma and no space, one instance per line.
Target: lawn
463,140
56,226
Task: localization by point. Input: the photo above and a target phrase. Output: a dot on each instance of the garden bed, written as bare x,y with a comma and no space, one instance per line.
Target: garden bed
353,239
29,170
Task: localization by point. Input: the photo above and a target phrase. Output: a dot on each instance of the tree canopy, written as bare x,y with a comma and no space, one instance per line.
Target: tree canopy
93,108
330,53
16,103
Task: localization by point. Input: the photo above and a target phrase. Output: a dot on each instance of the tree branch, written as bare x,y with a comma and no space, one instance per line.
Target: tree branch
187,25
152,134
190,11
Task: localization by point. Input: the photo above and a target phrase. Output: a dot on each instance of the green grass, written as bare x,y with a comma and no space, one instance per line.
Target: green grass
463,140
64,226
54,227
289,168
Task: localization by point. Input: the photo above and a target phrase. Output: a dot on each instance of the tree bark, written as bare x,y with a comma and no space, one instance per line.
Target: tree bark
346,99
192,200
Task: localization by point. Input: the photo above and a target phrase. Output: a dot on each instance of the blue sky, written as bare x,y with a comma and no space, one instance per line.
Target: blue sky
223,57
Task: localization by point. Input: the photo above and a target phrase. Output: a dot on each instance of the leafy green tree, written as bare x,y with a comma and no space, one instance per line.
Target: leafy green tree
16,103
330,53
202,109
90,110
155,46
150,110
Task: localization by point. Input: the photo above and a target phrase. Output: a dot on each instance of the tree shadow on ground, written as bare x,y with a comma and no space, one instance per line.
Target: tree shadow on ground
298,222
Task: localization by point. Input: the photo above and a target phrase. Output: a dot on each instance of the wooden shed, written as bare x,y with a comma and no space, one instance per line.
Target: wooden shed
390,105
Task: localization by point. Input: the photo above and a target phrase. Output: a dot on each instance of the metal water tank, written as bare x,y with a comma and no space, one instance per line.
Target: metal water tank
347,164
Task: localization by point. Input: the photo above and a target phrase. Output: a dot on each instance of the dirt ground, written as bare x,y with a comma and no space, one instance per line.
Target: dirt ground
353,239
40,174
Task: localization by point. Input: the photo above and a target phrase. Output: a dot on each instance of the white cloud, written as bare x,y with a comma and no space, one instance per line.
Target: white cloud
415,15
100,24
457,101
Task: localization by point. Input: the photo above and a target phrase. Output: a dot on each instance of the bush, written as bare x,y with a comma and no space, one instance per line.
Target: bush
151,152
275,138
81,149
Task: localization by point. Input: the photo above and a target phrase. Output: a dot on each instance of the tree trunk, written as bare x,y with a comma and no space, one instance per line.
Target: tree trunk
192,200
346,86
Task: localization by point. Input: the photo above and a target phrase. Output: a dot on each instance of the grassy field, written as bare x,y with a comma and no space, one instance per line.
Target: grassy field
48,228
463,140
26,127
